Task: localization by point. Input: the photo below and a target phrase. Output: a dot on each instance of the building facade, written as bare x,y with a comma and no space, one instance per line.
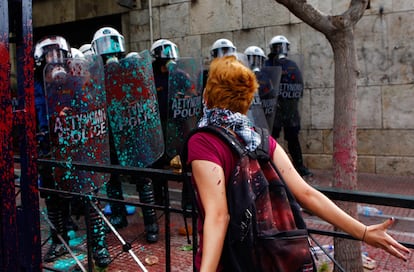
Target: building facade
385,48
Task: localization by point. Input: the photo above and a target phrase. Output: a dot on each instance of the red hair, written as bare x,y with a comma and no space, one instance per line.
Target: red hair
230,85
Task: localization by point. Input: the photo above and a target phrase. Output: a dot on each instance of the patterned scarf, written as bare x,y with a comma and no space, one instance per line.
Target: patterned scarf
237,122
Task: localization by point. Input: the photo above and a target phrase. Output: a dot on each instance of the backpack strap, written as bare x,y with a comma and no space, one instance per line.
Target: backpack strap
221,132
225,135
262,151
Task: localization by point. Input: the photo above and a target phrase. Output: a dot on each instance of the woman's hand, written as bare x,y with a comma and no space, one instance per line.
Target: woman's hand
377,236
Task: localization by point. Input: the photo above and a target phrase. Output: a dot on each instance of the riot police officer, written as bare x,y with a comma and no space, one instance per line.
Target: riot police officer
164,52
266,95
55,49
110,45
290,91
51,49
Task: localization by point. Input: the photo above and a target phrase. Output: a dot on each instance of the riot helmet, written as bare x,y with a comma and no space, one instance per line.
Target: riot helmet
164,49
256,57
108,43
133,54
51,49
86,49
76,53
279,46
222,47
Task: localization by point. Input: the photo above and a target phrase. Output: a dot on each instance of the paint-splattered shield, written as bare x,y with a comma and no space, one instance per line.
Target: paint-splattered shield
269,80
133,111
185,84
78,125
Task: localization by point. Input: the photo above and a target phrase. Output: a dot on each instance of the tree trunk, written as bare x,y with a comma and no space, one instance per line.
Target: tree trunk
344,137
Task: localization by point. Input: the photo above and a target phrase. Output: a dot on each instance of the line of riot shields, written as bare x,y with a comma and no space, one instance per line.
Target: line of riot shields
87,100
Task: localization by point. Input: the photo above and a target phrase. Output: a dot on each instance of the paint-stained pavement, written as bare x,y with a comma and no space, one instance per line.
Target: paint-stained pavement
181,254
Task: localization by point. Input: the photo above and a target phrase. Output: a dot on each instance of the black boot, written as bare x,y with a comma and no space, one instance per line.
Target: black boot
151,232
57,218
55,251
118,211
146,195
118,217
100,251
101,255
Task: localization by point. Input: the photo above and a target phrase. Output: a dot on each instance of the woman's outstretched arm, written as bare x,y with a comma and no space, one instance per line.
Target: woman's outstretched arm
320,205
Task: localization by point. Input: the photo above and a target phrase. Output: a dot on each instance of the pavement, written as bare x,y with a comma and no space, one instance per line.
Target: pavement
152,256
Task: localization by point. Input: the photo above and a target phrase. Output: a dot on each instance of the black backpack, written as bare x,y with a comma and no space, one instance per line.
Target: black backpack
266,230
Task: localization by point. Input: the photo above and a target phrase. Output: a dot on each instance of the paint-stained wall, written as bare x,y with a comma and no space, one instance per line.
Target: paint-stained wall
385,54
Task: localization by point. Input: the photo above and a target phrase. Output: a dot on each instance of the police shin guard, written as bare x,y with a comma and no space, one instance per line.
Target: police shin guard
57,218
146,195
98,239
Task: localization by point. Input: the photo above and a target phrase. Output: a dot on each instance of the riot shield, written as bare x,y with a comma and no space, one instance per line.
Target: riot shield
242,58
256,113
185,85
133,111
269,80
78,125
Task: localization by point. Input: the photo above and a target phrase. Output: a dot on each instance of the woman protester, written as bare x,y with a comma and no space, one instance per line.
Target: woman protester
227,96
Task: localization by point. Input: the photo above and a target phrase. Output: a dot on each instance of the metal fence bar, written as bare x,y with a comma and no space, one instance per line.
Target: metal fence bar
126,170
393,200
25,121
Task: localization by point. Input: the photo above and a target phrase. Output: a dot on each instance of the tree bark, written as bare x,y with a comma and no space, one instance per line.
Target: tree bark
344,137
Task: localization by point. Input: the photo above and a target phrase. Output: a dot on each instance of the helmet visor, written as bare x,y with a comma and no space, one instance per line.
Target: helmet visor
109,45
255,61
279,48
221,52
53,54
167,51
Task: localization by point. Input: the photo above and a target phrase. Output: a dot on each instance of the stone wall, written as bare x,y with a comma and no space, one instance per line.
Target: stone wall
385,52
